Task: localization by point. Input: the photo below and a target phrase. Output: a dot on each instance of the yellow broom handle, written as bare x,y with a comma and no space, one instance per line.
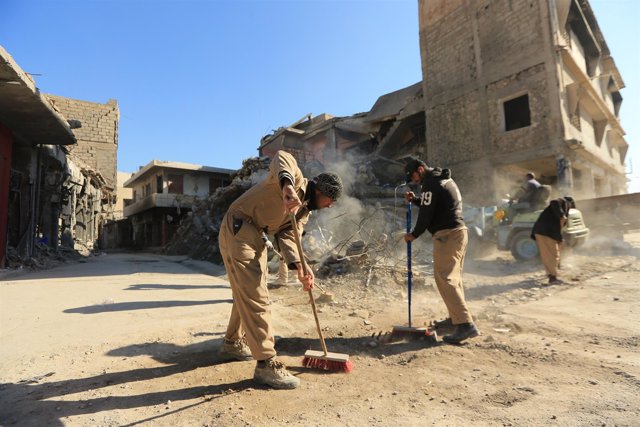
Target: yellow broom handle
294,224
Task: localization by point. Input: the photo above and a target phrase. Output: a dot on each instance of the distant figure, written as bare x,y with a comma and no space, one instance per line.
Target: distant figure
530,196
440,213
547,232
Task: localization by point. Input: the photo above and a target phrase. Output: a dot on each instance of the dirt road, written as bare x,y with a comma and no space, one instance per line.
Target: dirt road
131,339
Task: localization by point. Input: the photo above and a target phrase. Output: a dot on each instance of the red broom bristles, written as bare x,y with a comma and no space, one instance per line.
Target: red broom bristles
327,365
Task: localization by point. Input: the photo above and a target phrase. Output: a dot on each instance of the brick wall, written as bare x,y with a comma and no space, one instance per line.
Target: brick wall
475,54
456,133
532,82
98,137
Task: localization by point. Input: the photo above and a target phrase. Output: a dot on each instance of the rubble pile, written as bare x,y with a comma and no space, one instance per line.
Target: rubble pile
197,234
359,234
44,257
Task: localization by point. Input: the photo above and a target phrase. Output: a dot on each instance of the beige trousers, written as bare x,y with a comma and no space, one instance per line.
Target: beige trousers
283,273
245,259
449,247
549,253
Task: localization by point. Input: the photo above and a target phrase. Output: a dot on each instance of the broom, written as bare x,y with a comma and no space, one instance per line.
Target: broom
318,359
410,332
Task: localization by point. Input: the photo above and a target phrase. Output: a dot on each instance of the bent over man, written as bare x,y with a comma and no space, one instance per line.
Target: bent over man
441,213
547,232
261,210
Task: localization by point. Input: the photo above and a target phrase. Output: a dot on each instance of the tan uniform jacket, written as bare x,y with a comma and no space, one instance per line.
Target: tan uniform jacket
263,204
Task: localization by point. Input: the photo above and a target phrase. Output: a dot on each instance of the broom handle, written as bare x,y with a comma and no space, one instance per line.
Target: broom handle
294,224
409,259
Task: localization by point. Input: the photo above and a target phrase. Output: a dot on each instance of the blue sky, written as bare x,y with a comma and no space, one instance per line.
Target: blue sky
202,81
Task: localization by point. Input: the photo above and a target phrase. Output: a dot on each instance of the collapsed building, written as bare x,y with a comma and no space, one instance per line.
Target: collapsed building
367,150
54,185
374,144
521,85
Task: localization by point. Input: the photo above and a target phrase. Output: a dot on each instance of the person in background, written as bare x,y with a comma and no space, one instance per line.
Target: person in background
547,232
440,213
525,197
261,210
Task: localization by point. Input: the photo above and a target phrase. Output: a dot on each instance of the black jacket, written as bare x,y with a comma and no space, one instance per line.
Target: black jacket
548,223
440,203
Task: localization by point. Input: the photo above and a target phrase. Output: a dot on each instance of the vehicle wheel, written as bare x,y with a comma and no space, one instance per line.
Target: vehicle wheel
523,247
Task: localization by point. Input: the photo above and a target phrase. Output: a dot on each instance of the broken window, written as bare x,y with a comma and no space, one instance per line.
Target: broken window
159,184
517,113
174,182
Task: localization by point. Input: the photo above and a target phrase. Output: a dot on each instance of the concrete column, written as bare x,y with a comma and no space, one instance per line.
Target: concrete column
565,174
6,145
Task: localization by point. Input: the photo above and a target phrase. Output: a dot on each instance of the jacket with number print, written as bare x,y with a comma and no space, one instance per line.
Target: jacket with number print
440,203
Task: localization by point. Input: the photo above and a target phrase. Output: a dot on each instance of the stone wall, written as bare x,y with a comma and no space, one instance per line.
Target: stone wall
97,138
477,54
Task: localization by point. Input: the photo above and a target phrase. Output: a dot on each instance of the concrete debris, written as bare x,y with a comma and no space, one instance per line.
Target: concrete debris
197,234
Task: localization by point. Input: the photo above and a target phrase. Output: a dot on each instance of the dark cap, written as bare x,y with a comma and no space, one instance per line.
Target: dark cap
570,201
329,184
412,166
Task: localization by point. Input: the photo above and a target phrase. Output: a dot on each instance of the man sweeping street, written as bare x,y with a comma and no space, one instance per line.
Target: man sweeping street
441,214
261,210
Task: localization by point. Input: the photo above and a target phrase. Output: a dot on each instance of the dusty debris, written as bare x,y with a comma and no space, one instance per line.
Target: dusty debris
197,234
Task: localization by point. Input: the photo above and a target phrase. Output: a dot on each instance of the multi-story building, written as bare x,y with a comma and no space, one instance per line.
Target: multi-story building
521,85
163,192
47,195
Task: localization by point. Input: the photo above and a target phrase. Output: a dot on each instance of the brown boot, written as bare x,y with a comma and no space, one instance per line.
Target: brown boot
274,373
238,350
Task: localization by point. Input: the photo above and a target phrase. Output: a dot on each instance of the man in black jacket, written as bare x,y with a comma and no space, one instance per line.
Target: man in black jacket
441,214
547,232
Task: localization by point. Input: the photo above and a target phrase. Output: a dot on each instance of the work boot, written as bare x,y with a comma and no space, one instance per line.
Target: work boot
463,331
553,280
443,324
274,373
238,350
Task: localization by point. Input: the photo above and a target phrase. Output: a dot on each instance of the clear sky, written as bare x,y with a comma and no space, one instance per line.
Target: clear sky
202,81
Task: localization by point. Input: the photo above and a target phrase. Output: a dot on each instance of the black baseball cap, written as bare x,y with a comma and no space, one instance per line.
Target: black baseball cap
412,165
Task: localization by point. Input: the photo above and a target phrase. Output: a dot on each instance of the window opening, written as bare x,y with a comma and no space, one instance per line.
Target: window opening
517,113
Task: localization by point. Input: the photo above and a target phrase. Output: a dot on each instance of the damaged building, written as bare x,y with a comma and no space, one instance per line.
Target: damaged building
374,143
51,196
163,193
521,85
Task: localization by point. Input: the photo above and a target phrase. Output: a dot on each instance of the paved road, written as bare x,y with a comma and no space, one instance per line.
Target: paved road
137,296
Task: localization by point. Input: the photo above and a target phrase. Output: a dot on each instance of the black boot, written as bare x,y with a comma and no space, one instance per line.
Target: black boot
443,324
463,331
553,280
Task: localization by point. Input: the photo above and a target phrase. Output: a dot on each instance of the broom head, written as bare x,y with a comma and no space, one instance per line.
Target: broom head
330,362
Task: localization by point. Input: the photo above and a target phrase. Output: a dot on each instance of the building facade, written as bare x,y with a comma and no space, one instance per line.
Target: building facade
512,86
48,196
163,193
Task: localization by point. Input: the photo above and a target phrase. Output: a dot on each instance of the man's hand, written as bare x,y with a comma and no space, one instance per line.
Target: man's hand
409,196
290,199
306,280
408,237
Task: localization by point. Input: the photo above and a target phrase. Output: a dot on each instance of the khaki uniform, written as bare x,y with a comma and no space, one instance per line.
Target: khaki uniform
449,247
245,256
549,253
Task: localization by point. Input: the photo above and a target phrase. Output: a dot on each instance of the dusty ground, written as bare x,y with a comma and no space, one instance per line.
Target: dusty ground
131,339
